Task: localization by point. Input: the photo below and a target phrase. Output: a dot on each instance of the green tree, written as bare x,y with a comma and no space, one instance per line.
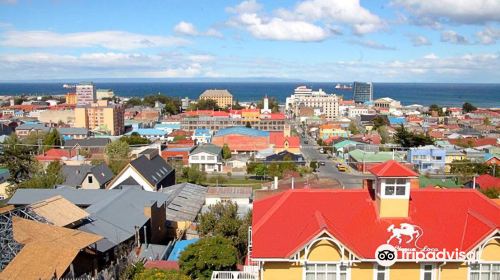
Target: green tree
487,121
117,153
409,139
208,254
467,107
274,170
314,165
204,104
159,274
193,174
273,104
135,139
226,152
45,179
466,169
384,134
134,101
52,139
492,193
379,121
18,159
237,106
353,128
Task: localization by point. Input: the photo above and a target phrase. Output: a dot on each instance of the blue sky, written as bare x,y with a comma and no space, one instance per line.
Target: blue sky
316,40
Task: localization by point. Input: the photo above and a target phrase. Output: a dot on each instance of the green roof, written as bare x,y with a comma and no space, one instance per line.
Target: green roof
344,143
362,156
437,182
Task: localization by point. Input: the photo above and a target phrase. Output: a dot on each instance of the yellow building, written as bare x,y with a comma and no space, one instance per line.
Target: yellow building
71,98
222,96
452,155
101,116
337,234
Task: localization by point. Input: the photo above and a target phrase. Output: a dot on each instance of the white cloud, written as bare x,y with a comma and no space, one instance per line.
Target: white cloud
187,28
489,35
348,12
249,6
453,37
280,29
460,11
114,40
371,44
431,56
419,40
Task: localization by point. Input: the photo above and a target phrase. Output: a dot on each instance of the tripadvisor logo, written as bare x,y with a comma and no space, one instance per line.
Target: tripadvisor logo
403,245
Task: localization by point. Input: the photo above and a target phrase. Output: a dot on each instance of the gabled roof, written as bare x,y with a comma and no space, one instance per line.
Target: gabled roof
392,168
75,174
89,142
450,219
153,170
48,250
487,181
56,154
278,139
73,131
207,148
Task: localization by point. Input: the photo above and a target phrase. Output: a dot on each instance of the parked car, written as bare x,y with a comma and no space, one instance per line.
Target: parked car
342,168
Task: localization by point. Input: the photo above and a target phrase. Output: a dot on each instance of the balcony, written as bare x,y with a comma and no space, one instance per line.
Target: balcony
228,275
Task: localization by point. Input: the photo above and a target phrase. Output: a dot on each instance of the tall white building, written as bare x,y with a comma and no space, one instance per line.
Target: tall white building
85,94
328,104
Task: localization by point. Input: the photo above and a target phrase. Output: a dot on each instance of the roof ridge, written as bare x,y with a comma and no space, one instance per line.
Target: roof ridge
273,209
480,218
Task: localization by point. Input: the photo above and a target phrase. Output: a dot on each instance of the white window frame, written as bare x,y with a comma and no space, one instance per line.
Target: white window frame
376,271
337,270
383,185
480,271
433,270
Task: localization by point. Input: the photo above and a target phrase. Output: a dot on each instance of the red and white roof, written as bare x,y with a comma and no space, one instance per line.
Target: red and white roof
392,168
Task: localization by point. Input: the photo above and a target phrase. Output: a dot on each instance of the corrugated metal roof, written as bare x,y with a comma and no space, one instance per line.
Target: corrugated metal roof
242,130
185,201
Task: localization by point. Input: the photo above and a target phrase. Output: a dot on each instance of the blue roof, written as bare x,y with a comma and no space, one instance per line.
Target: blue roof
179,247
242,130
397,120
147,131
202,132
168,125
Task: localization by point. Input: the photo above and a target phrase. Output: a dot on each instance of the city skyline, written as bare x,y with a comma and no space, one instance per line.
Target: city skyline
315,40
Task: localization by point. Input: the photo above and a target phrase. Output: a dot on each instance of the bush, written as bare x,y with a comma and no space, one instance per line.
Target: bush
158,274
209,254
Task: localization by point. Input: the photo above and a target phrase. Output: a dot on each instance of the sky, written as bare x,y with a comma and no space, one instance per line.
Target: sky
314,40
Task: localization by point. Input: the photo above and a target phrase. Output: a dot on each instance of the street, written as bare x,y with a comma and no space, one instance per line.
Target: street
329,170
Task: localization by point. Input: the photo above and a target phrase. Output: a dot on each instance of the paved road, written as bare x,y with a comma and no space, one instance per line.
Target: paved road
329,170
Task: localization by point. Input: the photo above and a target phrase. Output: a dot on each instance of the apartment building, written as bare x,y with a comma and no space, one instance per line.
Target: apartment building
275,122
328,104
101,116
222,96
85,94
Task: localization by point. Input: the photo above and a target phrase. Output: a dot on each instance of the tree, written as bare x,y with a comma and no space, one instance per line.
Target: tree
237,106
208,254
45,179
467,107
384,134
466,169
226,152
379,121
487,121
193,174
135,139
160,274
409,139
205,104
313,165
52,139
273,104
117,153
134,101
18,159
353,128
492,193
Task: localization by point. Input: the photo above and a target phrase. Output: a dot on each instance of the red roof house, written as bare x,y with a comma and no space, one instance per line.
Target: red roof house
56,154
485,182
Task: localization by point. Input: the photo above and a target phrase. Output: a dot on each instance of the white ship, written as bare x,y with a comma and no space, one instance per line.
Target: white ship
343,87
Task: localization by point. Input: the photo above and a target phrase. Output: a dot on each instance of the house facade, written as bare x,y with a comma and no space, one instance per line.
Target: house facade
208,157
428,159
338,234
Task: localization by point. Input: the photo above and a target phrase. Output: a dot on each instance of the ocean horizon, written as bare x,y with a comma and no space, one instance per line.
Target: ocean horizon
443,94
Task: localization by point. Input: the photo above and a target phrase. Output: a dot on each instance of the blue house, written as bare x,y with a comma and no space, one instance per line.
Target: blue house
397,120
428,159
202,135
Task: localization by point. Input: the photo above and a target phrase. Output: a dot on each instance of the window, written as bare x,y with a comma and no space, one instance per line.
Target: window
381,273
90,179
326,271
484,271
427,272
395,187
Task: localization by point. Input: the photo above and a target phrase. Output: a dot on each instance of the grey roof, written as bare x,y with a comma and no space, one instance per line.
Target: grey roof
73,130
468,131
207,148
75,174
116,217
186,201
33,126
154,170
89,142
80,197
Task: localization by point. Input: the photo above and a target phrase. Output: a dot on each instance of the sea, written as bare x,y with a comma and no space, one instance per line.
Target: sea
443,94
